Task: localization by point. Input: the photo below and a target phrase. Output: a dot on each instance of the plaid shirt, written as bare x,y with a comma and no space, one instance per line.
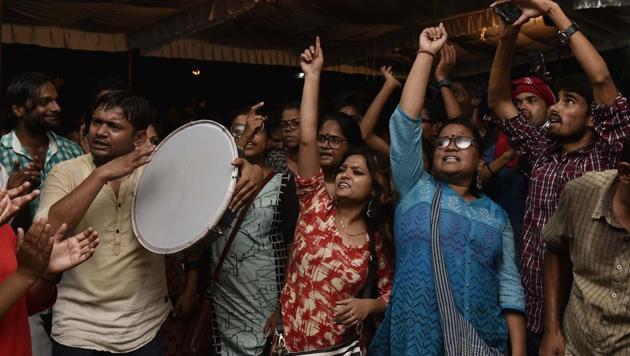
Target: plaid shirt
59,149
551,170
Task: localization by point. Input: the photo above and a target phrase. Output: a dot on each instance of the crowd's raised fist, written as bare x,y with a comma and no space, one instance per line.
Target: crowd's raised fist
432,39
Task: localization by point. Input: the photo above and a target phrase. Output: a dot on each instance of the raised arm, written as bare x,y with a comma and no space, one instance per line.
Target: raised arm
592,63
432,40
311,61
405,127
253,123
373,113
499,89
448,58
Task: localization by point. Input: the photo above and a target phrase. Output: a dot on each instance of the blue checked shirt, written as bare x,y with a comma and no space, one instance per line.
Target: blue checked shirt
59,150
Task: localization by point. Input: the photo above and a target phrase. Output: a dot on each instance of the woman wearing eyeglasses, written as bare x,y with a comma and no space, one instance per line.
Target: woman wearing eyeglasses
321,303
474,234
247,288
337,132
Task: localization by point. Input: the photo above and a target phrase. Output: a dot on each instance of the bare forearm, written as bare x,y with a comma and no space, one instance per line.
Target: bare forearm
414,92
453,110
370,119
499,91
12,289
71,208
43,293
555,280
587,55
308,162
517,330
378,306
491,169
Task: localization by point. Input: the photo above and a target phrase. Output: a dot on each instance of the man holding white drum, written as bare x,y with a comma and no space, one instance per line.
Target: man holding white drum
117,302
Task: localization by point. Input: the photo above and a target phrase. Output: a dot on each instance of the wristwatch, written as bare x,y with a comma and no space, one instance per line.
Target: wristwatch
565,35
445,83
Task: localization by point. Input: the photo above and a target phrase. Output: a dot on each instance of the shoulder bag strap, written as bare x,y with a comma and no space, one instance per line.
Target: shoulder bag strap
237,226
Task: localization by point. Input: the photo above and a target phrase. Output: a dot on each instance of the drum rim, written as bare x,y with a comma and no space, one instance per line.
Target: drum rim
224,205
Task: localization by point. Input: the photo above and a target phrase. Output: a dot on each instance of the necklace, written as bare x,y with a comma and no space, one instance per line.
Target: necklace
343,227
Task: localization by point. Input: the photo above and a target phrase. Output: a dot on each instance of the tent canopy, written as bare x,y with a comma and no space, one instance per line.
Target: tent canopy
358,35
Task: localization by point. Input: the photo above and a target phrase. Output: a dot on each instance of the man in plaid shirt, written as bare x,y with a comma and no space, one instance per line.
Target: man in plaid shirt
585,132
31,149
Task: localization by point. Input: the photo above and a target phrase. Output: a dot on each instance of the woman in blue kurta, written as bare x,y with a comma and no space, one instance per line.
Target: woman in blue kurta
476,237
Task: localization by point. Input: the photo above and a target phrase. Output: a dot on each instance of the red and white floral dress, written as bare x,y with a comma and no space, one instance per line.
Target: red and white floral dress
323,270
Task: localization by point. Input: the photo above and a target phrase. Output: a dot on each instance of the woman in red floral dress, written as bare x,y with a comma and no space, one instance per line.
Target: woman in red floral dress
329,261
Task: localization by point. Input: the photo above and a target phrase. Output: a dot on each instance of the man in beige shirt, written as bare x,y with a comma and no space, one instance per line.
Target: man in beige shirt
588,236
116,301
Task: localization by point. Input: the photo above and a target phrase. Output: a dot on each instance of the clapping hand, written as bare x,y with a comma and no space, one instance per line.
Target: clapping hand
13,200
33,249
72,251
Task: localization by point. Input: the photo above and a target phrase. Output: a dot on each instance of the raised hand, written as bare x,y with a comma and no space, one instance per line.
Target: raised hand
390,80
531,9
254,121
72,251
432,39
506,30
448,58
124,165
33,250
13,200
312,59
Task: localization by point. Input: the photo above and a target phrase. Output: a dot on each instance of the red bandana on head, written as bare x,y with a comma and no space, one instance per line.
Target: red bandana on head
532,85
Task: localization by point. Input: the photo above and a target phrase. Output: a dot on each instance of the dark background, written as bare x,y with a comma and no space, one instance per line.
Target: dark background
226,86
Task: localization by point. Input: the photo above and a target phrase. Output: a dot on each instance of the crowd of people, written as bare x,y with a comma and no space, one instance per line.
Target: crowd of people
476,224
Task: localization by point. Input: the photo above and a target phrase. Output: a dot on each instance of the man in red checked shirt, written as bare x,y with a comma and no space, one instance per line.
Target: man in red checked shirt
509,174
585,133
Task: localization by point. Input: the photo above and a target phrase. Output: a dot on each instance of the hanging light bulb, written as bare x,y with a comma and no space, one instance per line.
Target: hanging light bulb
196,72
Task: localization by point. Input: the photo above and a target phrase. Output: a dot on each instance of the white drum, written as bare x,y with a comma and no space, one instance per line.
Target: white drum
186,188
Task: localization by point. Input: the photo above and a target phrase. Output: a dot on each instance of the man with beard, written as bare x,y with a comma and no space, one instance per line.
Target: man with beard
31,150
585,133
28,153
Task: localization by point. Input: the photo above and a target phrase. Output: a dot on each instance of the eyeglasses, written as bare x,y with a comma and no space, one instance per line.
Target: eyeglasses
291,124
462,142
333,141
237,130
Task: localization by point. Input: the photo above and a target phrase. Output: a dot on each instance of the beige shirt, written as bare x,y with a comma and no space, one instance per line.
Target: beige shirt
117,300
597,317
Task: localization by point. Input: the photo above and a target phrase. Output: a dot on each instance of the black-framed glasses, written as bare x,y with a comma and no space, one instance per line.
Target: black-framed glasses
291,124
462,142
332,140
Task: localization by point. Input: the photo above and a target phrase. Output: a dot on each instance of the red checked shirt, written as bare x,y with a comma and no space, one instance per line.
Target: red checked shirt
551,170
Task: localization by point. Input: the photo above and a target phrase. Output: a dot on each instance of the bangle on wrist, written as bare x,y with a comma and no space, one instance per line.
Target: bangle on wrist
426,52
51,279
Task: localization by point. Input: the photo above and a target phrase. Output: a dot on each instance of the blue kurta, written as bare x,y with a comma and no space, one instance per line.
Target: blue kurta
478,247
